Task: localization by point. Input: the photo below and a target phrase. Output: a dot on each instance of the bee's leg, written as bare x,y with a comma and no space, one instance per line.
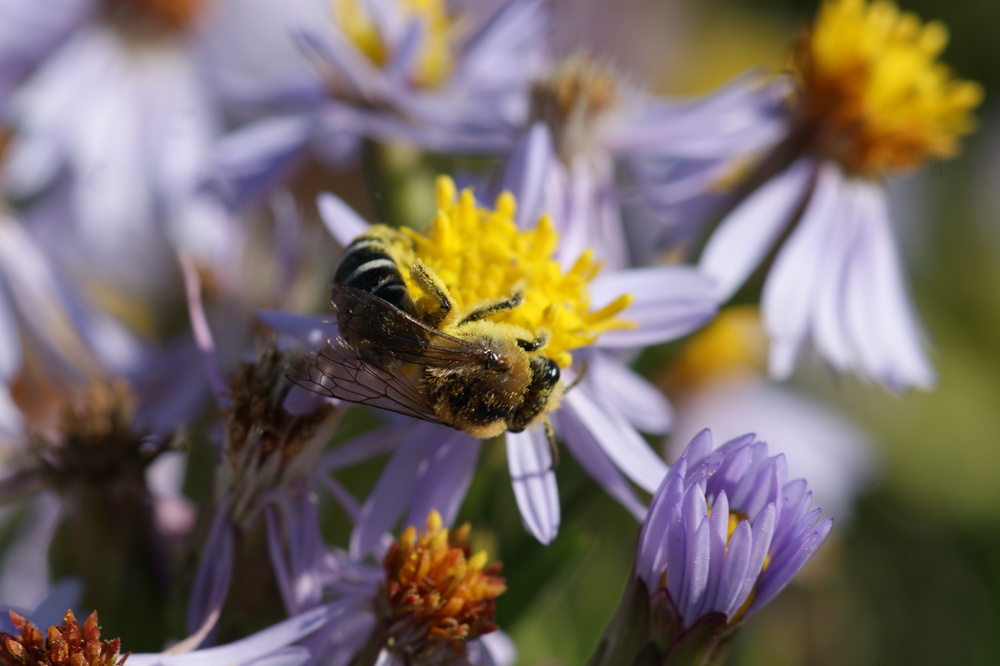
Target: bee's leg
579,376
436,292
534,345
494,307
552,443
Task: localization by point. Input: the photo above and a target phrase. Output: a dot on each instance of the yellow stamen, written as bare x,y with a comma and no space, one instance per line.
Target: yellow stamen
481,256
434,61
875,92
433,582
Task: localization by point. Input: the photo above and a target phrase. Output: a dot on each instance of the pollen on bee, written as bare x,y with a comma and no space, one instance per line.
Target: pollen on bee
482,256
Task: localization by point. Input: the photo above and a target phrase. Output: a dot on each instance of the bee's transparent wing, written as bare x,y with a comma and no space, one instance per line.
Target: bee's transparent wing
382,329
337,371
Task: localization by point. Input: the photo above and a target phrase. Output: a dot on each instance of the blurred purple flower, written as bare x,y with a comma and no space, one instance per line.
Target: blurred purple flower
811,193
111,122
387,72
590,125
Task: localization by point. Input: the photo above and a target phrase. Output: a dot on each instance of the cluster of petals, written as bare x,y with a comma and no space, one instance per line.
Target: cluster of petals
689,546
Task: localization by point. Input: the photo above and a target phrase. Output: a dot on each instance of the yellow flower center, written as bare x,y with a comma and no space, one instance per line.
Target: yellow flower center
732,345
481,256
435,59
875,91
434,583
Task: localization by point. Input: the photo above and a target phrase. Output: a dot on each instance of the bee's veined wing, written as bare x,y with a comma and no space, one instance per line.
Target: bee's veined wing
337,371
379,328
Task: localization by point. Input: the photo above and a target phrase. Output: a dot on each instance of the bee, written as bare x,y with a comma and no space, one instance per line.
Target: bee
422,358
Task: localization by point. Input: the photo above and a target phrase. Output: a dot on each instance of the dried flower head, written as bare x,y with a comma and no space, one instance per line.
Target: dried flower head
67,644
438,595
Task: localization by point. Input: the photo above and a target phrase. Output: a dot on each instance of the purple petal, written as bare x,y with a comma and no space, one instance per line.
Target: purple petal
495,649
313,330
651,548
375,443
779,575
697,556
393,491
619,440
699,447
211,584
668,302
747,234
883,326
10,341
735,570
529,457
444,478
405,51
718,537
340,219
790,291
525,173
675,548
762,532
615,384
29,30
744,116
342,61
262,644
252,159
594,460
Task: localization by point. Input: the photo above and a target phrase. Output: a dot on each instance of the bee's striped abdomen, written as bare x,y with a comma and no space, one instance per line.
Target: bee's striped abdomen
367,265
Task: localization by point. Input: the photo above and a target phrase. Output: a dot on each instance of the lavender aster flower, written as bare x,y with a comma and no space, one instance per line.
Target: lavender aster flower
870,100
594,123
447,78
429,601
481,255
726,531
111,126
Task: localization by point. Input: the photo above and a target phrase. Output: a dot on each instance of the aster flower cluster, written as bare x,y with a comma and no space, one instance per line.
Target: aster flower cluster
197,445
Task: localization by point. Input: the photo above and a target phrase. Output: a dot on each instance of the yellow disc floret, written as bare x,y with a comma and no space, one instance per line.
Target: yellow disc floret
733,345
481,256
437,592
434,59
874,91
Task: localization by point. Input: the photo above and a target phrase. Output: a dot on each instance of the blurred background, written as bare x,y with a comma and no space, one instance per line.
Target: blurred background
911,573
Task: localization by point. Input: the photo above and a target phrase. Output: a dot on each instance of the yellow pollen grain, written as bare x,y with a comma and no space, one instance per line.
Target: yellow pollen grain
482,257
435,56
873,85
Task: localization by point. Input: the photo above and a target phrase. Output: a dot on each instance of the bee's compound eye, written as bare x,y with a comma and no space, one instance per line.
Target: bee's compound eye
551,371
